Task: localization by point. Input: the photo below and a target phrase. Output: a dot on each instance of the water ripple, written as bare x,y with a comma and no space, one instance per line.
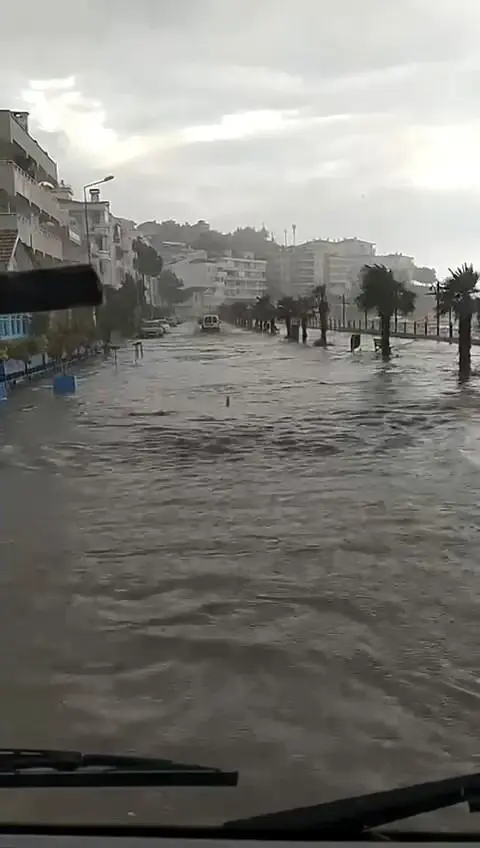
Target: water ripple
287,585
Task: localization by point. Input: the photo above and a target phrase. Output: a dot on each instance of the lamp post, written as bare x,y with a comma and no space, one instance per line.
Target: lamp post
85,211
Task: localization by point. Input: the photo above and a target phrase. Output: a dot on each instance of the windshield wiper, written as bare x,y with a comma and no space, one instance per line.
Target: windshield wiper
43,768
352,817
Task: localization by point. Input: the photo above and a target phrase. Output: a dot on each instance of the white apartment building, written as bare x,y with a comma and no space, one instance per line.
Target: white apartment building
192,268
205,278
245,278
34,231
101,228
298,269
402,266
28,206
124,235
341,274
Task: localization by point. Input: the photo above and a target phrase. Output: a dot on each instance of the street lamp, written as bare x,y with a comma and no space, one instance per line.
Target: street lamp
85,211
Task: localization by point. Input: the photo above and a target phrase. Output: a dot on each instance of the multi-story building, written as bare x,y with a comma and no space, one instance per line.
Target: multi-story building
297,269
197,273
95,216
33,230
402,266
245,277
124,235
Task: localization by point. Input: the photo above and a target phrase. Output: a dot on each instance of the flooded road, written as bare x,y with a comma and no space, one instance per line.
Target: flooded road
288,585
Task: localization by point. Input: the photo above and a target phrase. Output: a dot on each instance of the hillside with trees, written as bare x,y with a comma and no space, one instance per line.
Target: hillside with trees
202,237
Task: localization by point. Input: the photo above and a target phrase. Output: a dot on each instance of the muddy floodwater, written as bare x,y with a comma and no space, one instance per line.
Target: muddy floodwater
288,585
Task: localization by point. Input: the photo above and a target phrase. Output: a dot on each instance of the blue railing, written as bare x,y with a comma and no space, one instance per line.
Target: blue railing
13,327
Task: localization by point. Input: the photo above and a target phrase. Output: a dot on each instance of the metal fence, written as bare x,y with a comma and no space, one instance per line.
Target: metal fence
344,315
416,329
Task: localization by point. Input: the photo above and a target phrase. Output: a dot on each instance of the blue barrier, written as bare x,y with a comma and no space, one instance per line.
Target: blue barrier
64,384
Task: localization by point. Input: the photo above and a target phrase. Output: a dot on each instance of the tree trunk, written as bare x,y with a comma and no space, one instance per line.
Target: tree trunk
323,328
304,329
385,336
464,346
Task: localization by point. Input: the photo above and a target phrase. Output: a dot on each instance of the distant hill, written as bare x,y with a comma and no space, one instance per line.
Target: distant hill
202,237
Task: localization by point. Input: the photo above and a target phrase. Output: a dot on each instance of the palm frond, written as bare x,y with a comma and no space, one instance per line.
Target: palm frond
382,293
460,292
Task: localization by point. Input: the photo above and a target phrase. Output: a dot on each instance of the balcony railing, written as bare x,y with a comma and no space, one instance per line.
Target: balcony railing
48,243
15,181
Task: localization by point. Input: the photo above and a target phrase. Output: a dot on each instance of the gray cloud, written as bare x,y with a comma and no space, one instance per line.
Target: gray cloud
391,71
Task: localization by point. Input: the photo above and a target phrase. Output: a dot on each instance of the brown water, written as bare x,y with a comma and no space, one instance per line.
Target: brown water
289,585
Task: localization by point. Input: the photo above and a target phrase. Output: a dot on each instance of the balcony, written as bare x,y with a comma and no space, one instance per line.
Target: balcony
14,182
17,134
48,243
74,236
33,235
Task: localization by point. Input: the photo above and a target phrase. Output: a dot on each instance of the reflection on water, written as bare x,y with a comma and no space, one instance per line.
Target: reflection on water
288,585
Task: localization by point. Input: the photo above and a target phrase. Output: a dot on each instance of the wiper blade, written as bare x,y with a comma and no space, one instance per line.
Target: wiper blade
350,817
42,768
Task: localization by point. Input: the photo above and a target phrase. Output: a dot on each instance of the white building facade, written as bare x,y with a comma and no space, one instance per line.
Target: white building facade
34,230
245,278
28,177
96,217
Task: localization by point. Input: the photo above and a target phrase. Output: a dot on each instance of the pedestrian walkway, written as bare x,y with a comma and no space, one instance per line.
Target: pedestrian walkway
420,330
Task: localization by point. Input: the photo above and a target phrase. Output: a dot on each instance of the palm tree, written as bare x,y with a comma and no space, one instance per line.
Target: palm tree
321,304
263,310
459,293
288,309
304,310
381,292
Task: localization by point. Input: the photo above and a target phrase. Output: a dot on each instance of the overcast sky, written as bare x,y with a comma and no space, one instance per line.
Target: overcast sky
346,117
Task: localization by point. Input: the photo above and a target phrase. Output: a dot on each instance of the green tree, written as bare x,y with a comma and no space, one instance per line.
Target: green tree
22,350
121,310
249,240
459,293
147,263
60,344
216,244
238,311
382,293
170,288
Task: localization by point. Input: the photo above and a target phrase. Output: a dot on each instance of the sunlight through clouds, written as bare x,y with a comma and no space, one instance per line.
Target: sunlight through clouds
57,105
444,157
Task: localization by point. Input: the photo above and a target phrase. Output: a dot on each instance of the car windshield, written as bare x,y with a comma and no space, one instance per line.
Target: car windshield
239,521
